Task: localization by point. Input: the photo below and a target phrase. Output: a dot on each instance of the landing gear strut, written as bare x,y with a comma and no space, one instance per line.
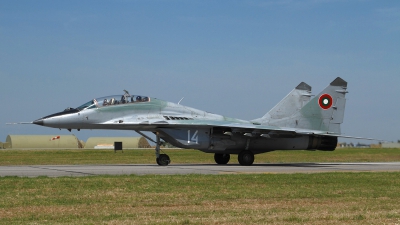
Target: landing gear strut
221,158
246,158
161,159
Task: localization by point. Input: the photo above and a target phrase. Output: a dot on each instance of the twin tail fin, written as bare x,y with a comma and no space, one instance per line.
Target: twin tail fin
324,112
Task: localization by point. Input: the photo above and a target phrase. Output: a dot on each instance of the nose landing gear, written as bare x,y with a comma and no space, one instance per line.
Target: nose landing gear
161,159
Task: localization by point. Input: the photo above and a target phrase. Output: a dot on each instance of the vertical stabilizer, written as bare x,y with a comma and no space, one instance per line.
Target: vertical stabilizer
289,105
325,112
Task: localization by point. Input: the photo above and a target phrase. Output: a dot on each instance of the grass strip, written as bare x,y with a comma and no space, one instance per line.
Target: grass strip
323,198
83,156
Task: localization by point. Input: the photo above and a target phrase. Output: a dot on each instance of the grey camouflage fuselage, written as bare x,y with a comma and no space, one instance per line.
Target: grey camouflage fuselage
299,122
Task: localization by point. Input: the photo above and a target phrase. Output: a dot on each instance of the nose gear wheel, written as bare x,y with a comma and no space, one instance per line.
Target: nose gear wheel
163,160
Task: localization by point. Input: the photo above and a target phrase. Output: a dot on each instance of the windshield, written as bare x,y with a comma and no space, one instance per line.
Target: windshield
87,105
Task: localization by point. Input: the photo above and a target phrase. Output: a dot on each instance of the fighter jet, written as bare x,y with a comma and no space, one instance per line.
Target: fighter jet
300,121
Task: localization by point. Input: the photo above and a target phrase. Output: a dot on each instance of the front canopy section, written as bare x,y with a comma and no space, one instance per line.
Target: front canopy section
87,105
114,100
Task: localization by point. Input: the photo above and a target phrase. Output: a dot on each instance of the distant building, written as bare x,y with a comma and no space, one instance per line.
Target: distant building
42,142
376,145
108,142
70,142
346,145
391,145
360,145
351,145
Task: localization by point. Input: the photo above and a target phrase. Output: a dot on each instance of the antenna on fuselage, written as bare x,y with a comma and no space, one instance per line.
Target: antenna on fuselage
127,93
180,100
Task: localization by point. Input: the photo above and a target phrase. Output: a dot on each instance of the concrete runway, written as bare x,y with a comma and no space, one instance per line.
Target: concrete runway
142,169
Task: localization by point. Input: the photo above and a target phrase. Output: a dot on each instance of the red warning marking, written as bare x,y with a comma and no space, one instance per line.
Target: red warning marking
55,138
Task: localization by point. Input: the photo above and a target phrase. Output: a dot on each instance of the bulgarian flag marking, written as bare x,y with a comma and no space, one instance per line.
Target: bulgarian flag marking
325,101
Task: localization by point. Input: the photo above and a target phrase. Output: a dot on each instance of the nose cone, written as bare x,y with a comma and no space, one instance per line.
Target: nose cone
53,120
38,122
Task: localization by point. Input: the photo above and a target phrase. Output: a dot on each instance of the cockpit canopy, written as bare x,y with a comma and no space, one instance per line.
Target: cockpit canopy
113,100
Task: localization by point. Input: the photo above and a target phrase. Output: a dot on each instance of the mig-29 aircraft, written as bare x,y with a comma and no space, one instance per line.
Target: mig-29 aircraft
298,122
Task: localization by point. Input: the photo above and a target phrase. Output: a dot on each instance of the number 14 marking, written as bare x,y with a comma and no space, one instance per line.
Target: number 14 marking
194,138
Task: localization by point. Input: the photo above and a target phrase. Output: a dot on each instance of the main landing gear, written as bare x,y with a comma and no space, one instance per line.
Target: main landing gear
161,159
245,158
221,158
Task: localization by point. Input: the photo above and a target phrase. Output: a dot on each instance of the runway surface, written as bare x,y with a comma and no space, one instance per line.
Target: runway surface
142,169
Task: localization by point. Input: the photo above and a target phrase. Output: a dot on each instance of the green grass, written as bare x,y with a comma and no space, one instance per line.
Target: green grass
82,156
322,198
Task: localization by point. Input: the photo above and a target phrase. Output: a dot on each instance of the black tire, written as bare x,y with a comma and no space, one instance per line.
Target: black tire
222,158
246,158
163,160
158,163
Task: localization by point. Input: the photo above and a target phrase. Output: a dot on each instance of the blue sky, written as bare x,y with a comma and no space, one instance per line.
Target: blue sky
235,58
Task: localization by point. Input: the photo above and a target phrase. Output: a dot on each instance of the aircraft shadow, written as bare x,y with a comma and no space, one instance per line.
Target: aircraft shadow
290,165
306,165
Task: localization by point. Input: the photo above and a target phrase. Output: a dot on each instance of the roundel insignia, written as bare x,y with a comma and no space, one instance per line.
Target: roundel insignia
325,101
